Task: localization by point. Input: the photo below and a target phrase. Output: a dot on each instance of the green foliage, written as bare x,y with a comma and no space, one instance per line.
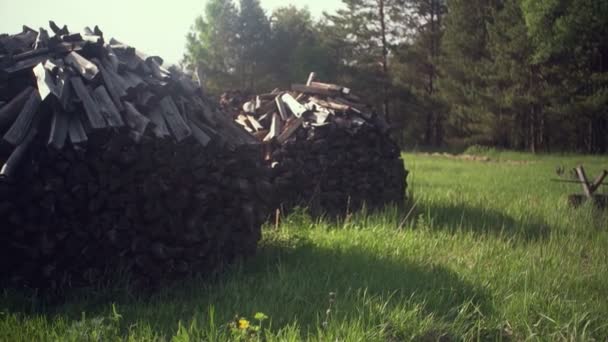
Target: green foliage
297,48
570,40
212,45
527,74
253,39
521,74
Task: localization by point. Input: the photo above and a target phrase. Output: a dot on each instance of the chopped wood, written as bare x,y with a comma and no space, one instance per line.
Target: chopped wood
242,120
45,82
329,86
330,103
25,64
59,129
281,107
57,30
276,127
10,111
134,119
72,37
311,78
160,127
290,128
23,123
85,67
200,135
313,90
175,121
118,198
113,62
42,39
254,123
157,70
95,119
53,66
64,91
107,108
76,131
113,89
9,169
294,106
315,157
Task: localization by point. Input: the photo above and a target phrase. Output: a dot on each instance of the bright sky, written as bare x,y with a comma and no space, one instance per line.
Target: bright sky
153,27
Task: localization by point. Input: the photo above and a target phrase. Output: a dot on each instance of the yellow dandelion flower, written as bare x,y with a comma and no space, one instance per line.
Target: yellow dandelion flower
243,324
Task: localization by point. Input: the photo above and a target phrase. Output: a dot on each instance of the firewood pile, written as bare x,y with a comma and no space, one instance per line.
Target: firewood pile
327,150
111,161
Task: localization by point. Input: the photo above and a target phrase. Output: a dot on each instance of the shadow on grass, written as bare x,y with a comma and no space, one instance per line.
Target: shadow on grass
461,217
291,280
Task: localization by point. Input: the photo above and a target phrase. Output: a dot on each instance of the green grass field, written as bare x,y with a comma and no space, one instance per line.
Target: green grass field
491,251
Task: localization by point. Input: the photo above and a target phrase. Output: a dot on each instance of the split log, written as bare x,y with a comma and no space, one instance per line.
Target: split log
160,127
23,123
176,123
95,119
314,90
9,169
135,120
290,128
10,111
86,68
281,108
107,108
45,82
294,106
59,130
76,131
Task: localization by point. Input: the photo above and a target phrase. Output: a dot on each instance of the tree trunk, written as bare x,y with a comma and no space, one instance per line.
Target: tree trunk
381,14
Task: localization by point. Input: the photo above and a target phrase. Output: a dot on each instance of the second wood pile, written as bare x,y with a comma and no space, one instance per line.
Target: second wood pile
327,150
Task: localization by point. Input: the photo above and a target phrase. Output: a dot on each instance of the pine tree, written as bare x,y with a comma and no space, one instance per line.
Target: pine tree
212,45
419,57
465,59
570,39
367,29
297,48
253,39
515,92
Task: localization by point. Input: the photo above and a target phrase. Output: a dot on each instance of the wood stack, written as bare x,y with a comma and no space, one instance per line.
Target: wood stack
112,161
327,150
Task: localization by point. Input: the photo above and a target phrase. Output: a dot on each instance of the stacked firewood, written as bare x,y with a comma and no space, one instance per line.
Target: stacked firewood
111,161
327,150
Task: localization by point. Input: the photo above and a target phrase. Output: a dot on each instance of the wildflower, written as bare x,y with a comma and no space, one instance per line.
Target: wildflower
243,324
260,316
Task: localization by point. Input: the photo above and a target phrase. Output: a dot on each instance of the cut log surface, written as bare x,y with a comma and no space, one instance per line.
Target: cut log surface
86,68
124,165
331,156
294,106
46,83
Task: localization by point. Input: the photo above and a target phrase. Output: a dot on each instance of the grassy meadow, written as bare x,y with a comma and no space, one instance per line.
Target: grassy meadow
485,250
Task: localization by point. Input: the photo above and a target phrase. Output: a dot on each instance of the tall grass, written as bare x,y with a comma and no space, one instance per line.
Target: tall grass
491,251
